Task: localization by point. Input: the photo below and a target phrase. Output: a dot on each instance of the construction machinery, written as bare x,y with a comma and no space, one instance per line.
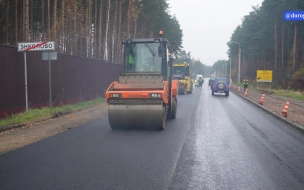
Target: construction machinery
181,72
145,94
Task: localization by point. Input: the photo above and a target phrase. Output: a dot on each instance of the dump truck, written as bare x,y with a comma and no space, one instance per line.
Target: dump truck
181,72
145,94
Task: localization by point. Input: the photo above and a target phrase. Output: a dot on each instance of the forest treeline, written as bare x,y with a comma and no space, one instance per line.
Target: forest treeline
268,42
96,28
88,28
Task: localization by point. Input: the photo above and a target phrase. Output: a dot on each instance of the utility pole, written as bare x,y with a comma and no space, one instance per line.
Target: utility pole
239,69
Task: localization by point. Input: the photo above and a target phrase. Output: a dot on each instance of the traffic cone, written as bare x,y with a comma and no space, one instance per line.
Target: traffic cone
285,109
239,89
262,99
246,92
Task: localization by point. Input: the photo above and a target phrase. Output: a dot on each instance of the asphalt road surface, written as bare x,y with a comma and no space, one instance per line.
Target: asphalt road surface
216,142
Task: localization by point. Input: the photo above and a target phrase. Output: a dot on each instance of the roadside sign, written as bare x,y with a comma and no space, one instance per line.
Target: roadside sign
35,46
53,55
264,75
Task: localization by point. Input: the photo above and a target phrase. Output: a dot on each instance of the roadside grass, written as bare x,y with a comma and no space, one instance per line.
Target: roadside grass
278,92
45,112
237,84
289,93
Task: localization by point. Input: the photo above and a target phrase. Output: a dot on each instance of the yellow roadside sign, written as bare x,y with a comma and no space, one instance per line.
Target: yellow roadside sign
264,75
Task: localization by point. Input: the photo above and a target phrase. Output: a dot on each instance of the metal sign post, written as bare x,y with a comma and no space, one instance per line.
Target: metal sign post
50,56
25,79
32,46
50,79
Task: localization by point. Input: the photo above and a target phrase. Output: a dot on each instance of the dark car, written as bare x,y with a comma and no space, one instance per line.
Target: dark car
220,85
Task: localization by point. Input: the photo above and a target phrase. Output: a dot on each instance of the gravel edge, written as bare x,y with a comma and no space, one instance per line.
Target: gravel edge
285,120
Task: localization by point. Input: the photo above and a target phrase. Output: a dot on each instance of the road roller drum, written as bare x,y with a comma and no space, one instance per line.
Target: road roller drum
136,115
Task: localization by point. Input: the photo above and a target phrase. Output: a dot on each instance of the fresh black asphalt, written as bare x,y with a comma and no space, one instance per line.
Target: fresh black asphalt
216,142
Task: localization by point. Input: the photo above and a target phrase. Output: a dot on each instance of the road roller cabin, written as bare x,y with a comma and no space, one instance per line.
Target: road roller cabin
145,94
181,71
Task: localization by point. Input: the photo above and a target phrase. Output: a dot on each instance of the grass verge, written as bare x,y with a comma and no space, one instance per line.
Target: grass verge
43,113
289,93
284,93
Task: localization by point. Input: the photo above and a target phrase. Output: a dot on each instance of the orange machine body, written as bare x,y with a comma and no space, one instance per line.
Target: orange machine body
142,90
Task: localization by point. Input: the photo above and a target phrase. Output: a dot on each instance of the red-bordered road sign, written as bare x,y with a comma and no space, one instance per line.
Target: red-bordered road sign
36,46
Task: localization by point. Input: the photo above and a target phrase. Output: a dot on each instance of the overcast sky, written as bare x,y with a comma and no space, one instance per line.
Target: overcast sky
208,25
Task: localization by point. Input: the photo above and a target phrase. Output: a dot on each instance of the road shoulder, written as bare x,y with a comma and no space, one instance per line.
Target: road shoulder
18,137
274,105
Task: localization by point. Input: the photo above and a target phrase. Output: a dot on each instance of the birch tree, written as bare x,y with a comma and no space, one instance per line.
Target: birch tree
48,19
7,22
54,28
106,34
26,16
16,22
99,50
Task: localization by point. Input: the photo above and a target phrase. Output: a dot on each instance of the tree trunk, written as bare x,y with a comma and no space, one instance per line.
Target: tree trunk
54,21
275,48
95,31
62,44
135,24
100,31
142,27
106,35
89,29
151,31
32,34
23,21
119,34
16,23
294,48
48,20
282,51
75,29
42,20
7,24
27,20
114,33
129,20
